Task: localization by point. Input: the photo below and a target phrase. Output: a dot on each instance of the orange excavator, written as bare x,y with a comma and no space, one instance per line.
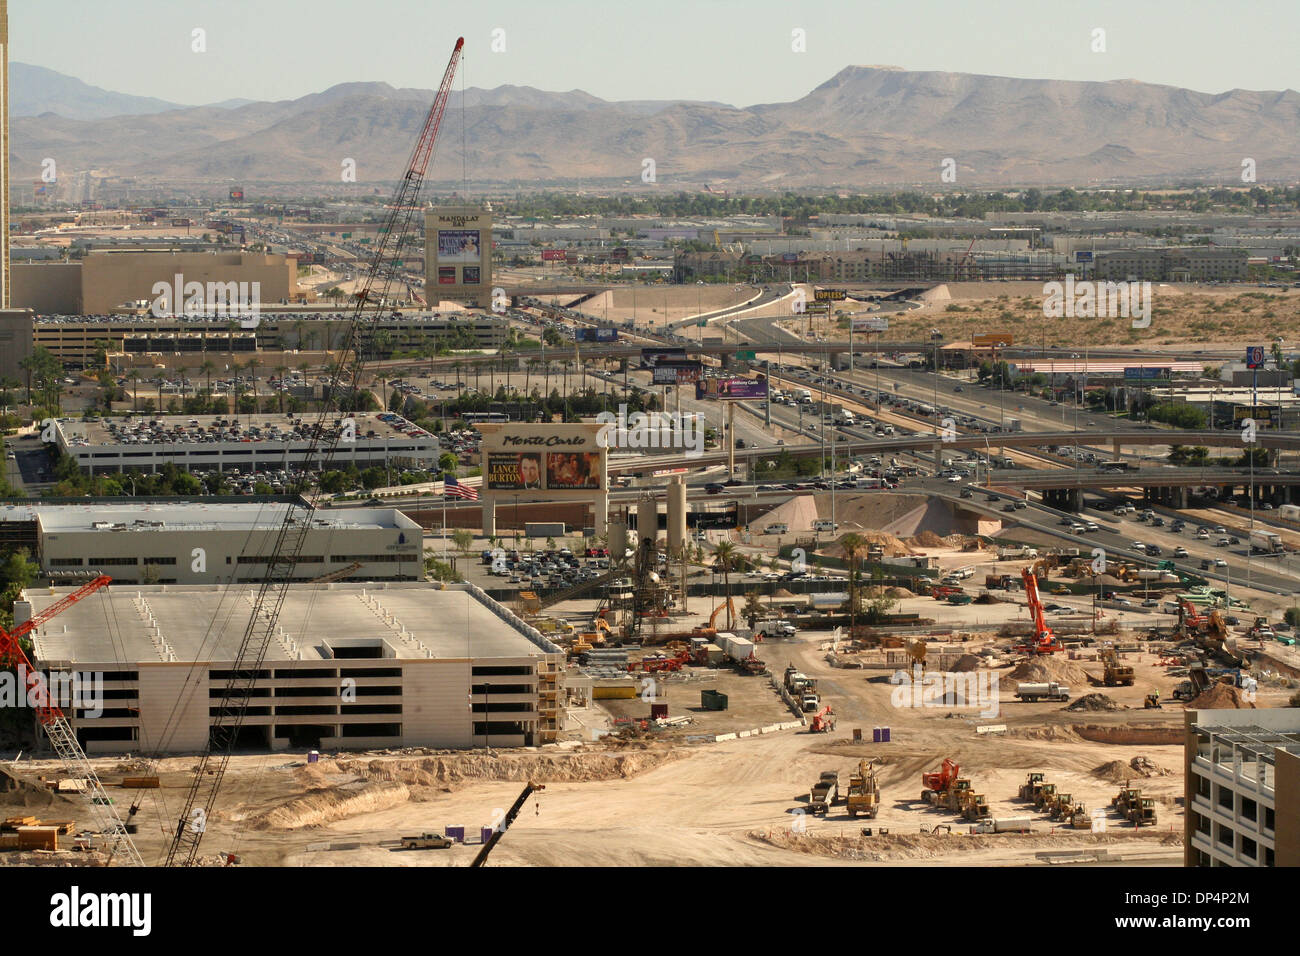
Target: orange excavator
1044,640
939,782
822,721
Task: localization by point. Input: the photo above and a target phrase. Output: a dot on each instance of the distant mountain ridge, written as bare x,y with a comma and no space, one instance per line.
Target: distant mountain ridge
863,127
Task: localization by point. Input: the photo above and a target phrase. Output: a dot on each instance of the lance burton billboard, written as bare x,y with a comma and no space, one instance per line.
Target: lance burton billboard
730,389
568,458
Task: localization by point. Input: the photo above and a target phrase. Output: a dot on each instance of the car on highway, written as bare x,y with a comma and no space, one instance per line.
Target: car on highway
1220,563
1150,602
1222,543
1206,564
713,488
1202,534
1009,506
1180,552
967,493
954,478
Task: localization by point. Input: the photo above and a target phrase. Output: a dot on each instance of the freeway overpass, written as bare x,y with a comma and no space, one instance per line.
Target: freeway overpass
1287,440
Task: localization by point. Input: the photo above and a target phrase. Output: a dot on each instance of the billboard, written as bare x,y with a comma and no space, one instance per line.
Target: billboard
595,335
565,458
237,194
1145,373
789,257
731,389
469,275
514,471
993,340
573,470
829,295
458,245
552,255
652,357
871,323
1262,414
818,308
1255,356
446,275
1083,255
677,373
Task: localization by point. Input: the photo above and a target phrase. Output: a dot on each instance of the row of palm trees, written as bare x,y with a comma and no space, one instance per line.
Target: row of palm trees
727,558
206,370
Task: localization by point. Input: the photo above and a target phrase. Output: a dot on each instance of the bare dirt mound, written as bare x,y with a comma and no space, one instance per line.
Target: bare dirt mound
967,662
17,791
891,545
1147,767
1117,771
900,593
926,539
914,846
454,770
1093,702
1220,697
1048,668
327,805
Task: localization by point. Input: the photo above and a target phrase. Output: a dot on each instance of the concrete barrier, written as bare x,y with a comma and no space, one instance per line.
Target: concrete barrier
718,738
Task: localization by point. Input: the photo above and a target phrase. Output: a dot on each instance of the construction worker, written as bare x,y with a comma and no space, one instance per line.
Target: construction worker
1156,695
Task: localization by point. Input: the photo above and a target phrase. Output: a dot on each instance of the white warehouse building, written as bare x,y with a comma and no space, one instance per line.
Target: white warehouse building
350,667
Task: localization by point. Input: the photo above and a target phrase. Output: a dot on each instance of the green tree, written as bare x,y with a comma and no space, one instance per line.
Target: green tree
725,556
463,540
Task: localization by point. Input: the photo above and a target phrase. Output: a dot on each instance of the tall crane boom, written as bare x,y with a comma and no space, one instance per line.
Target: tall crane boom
509,818
341,395
62,737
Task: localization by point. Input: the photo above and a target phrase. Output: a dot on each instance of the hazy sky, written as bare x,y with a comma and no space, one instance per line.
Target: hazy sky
733,51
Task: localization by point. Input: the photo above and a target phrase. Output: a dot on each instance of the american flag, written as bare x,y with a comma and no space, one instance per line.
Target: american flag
454,489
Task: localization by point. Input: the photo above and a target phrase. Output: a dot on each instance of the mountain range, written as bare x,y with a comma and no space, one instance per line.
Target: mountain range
866,126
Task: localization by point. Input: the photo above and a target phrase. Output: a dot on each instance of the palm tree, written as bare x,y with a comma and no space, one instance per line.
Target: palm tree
134,377
279,373
207,369
853,545
725,556
158,379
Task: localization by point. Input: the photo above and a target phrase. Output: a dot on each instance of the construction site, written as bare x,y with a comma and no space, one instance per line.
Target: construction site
891,684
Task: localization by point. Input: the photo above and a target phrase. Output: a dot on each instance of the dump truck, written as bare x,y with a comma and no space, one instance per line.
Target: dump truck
824,792
998,582
1142,812
1039,691
1029,789
426,841
864,792
1016,553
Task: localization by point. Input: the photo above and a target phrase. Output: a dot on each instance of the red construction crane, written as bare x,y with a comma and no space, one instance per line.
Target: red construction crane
399,229
62,737
1044,640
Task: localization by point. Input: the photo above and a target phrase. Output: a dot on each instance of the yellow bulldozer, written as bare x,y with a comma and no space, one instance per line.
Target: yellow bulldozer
1114,674
1126,798
974,806
1045,796
1029,789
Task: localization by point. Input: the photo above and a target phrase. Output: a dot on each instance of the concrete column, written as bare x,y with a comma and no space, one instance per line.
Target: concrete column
488,506
676,513
1114,447
1076,499
600,522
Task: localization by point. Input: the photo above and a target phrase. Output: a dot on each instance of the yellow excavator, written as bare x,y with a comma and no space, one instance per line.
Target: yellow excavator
1114,673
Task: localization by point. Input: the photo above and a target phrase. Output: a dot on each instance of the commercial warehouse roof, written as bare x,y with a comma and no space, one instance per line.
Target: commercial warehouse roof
183,623
192,515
